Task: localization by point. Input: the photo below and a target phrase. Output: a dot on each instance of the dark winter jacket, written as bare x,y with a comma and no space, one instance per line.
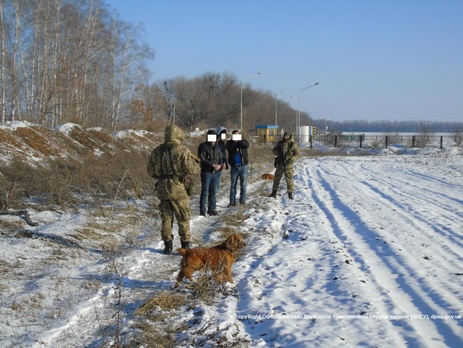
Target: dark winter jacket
210,155
222,143
240,146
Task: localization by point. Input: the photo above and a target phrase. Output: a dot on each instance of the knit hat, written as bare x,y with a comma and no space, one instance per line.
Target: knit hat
211,135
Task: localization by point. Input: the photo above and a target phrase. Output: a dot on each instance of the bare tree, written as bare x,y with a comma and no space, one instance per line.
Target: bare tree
12,17
458,134
148,108
424,134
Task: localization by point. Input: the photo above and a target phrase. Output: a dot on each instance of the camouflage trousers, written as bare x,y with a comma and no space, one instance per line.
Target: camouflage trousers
288,172
181,211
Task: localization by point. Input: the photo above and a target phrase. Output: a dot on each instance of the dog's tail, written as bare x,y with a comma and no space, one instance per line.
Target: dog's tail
182,251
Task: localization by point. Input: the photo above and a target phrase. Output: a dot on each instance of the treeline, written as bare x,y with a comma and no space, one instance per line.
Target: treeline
388,126
209,100
75,61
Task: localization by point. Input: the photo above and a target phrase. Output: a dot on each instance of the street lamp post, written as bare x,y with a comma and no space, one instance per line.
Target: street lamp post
276,108
298,118
291,100
326,129
241,97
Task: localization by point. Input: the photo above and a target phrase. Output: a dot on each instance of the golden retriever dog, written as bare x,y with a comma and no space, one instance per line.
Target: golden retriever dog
218,258
268,176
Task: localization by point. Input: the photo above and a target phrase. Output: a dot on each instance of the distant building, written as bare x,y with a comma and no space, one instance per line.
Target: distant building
267,133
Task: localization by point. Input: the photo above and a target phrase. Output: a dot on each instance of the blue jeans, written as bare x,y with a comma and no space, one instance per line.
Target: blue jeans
240,172
208,192
217,180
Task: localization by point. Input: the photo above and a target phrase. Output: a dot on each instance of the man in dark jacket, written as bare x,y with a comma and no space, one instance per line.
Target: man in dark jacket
286,152
212,160
221,141
238,161
171,164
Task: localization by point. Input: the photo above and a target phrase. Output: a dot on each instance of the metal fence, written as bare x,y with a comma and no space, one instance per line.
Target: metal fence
386,140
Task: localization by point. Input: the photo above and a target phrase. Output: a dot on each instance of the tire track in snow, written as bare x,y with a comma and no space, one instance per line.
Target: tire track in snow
441,195
430,229
343,219
405,203
339,292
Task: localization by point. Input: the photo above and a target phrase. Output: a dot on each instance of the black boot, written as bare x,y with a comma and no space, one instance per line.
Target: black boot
290,195
274,194
168,247
185,245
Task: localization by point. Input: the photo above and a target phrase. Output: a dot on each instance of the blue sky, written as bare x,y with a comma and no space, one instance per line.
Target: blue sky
373,60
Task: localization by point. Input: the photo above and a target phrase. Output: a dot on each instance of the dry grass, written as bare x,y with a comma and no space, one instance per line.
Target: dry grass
10,227
5,267
234,219
80,167
164,300
156,324
151,335
226,231
38,138
68,183
204,289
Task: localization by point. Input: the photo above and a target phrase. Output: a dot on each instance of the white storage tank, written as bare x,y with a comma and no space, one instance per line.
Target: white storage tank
305,134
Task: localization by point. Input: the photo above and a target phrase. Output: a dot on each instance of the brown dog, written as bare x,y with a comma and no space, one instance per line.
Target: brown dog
218,258
268,176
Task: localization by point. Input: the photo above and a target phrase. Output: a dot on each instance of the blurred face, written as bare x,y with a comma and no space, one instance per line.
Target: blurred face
236,136
212,138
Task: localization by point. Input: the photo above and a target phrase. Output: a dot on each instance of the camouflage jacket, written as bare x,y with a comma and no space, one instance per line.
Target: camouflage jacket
170,163
286,152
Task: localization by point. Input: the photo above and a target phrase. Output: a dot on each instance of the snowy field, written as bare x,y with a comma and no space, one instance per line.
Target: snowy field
368,254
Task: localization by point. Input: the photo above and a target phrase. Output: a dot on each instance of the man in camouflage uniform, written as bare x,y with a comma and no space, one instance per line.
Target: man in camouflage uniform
286,152
172,164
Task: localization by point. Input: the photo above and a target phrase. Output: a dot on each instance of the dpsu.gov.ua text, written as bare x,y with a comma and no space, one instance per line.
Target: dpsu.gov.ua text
282,316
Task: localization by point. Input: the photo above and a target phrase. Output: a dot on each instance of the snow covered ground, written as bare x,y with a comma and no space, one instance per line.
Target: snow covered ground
369,253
